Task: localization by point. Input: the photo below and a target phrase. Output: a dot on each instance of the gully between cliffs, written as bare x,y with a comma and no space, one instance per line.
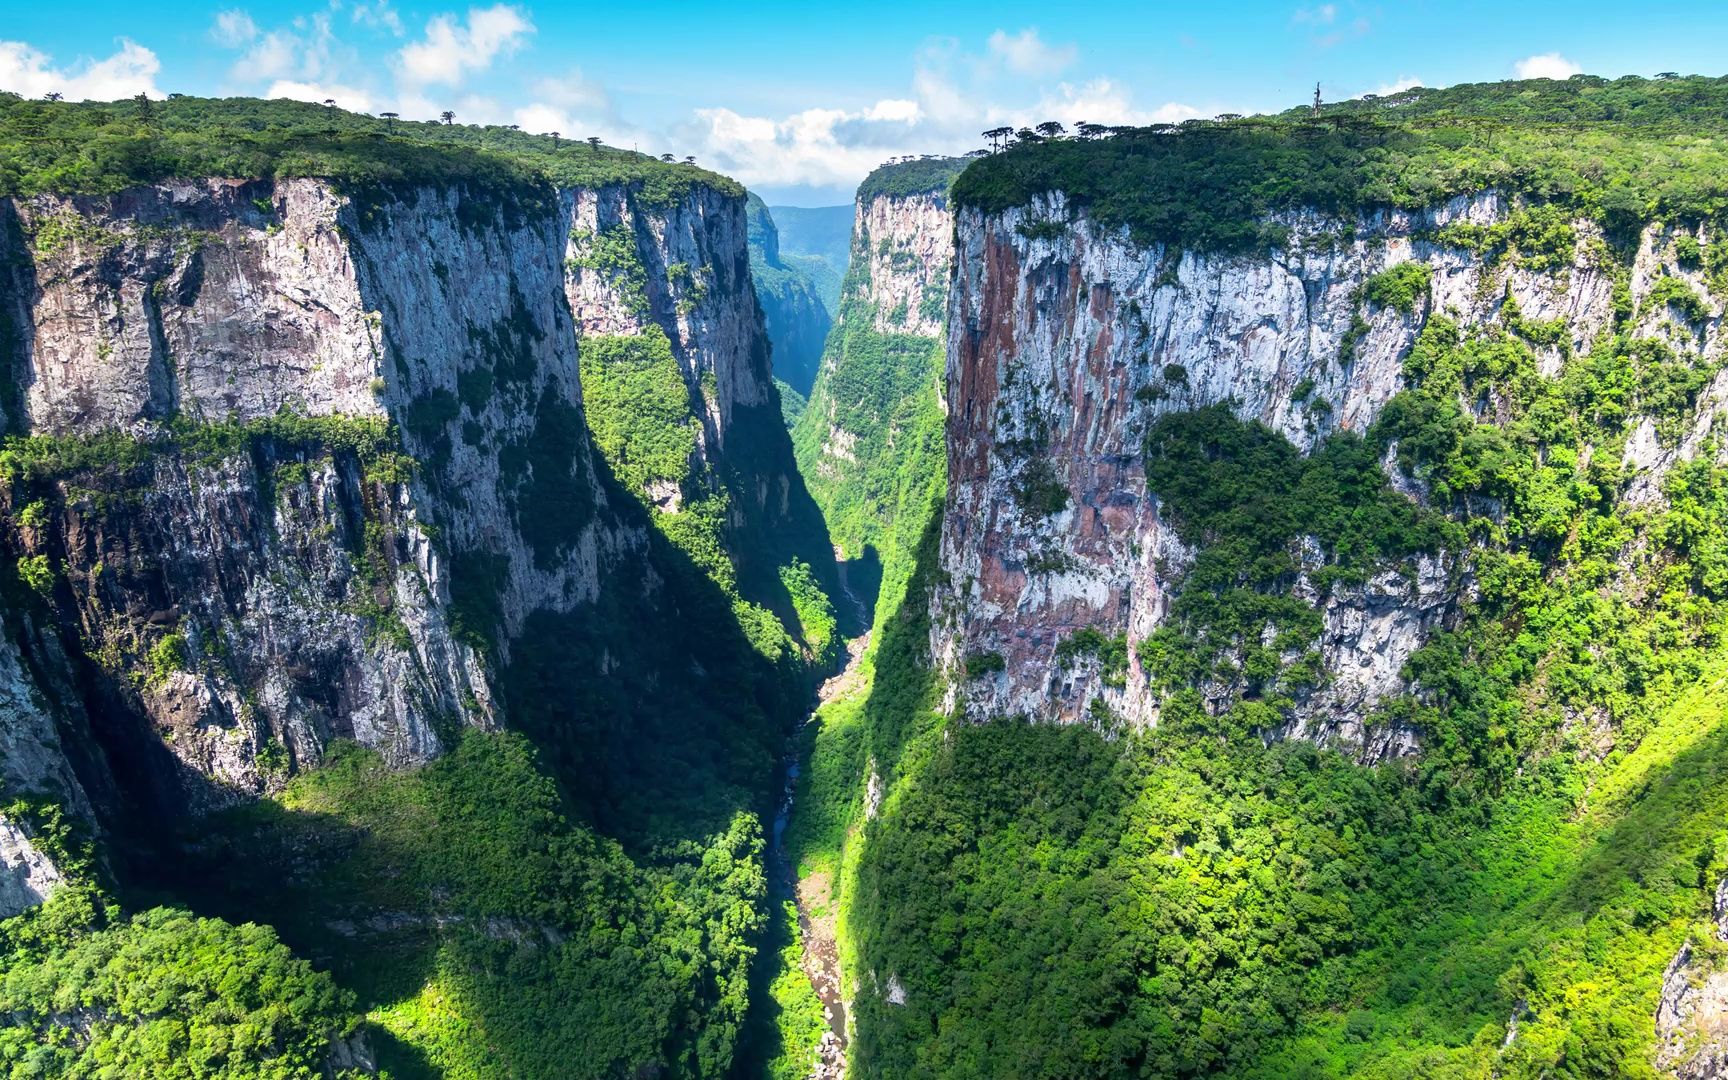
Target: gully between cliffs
820,951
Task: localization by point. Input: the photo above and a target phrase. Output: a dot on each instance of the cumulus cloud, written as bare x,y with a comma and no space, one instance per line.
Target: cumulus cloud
816,147
380,15
233,29
348,97
451,50
275,55
1099,101
541,118
130,71
1396,86
576,93
951,101
1546,66
1026,53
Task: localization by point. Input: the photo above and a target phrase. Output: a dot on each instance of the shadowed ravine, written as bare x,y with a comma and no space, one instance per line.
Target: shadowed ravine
816,918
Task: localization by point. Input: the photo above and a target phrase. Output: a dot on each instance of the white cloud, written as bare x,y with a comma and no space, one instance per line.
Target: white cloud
305,51
233,29
1396,86
817,147
451,50
1546,66
474,109
894,109
1026,53
274,56
541,118
126,73
346,97
379,16
574,91
1324,15
1172,113
954,94
576,106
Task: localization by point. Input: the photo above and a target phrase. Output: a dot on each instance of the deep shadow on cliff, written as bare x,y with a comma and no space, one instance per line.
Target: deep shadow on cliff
652,731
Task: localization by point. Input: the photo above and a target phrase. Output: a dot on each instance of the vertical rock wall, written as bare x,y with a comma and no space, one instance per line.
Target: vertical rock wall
1066,341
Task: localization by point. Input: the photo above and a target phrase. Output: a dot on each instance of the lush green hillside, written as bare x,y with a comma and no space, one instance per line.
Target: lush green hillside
103,147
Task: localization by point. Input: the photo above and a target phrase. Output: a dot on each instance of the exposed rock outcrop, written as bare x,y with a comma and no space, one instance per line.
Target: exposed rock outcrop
334,452
906,244
1692,1014
1066,341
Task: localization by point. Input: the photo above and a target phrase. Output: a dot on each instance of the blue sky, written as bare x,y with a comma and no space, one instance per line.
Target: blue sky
800,100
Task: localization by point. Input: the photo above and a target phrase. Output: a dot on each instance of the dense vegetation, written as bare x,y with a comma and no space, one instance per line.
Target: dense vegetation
1053,905
467,903
583,896
102,147
874,411
486,926
1245,498
1622,152
89,992
586,895
903,179
163,994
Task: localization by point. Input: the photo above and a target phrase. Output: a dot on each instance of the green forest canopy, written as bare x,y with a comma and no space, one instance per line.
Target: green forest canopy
919,176
102,147
1623,153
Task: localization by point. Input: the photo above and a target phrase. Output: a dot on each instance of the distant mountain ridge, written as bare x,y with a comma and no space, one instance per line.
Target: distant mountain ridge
787,287
818,239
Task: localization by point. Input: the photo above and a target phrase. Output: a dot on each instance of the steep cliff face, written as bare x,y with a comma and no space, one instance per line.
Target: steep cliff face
213,498
876,396
648,285
33,764
409,564
1067,343
793,312
1693,1009
237,552
906,244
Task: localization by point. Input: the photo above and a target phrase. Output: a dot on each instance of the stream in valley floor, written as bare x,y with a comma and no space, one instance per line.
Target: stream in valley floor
813,894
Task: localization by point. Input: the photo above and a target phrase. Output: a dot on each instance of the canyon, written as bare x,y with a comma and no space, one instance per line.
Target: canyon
1269,628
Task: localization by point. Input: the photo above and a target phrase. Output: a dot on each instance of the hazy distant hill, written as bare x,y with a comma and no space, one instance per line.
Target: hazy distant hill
819,239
